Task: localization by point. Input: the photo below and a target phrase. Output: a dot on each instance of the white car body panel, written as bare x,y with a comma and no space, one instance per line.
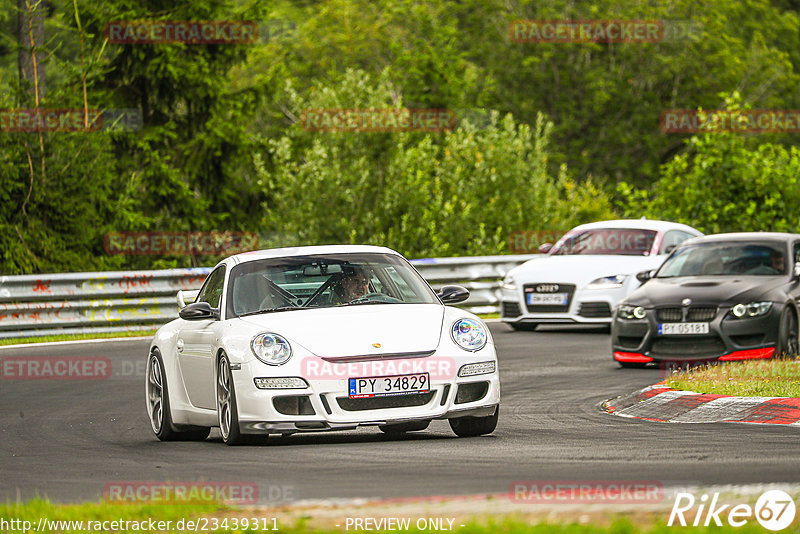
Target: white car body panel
314,334
580,270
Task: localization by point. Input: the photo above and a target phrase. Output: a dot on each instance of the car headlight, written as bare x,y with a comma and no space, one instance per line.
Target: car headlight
271,349
508,283
607,282
752,309
631,312
469,334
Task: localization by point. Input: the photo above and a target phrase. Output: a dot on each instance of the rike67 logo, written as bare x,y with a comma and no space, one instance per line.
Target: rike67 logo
774,510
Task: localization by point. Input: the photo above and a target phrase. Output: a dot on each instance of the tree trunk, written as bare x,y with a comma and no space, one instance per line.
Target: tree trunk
30,27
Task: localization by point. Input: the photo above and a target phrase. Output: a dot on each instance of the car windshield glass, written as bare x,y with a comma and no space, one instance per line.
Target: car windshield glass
627,241
324,281
722,259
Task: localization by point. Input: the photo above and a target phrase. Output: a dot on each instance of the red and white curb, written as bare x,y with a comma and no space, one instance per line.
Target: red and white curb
666,405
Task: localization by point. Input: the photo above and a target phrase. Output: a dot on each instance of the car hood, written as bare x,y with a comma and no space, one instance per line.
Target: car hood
582,268
352,330
716,290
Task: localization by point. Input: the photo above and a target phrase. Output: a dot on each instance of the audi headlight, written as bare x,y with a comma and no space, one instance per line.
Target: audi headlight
271,349
752,309
508,283
631,312
469,334
607,282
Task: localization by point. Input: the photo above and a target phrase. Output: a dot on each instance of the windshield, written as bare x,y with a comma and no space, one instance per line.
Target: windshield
721,259
324,281
627,241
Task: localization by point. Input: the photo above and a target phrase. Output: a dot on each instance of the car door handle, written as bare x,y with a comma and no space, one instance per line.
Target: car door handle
179,345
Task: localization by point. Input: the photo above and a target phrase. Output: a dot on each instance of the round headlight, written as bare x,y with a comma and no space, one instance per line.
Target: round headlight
469,334
739,310
271,349
639,312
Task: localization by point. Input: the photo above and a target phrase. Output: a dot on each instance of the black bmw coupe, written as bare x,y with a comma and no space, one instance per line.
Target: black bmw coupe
717,297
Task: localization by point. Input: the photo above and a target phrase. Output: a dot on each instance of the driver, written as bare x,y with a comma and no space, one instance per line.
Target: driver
776,260
355,283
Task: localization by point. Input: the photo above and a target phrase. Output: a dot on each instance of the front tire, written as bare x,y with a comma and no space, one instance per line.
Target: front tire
227,412
466,427
788,345
158,410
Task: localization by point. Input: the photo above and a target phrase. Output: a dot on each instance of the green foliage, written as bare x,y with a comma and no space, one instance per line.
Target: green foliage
726,182
575,135
456,192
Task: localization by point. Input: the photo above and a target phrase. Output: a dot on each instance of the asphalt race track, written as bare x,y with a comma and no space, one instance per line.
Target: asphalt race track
67,439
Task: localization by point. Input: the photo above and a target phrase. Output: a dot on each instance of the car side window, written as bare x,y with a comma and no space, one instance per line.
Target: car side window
672,239
212,289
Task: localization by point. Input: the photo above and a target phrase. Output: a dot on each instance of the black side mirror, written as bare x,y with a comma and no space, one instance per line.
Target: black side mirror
198,311
453,294
644,276
669,249
544,248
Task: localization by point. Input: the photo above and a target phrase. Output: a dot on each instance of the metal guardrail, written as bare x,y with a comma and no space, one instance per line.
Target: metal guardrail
48,304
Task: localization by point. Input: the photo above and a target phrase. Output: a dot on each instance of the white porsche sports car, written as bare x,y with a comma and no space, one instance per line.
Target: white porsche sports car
320,338
587,272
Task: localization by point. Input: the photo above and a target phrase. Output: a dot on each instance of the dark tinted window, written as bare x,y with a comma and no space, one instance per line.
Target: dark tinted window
720,259
627,241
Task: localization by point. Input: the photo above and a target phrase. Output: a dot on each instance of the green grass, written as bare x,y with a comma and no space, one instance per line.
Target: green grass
74,337
756,378
489,315
649,522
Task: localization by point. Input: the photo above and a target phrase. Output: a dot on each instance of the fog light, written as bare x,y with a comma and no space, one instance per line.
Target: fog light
472,369
281,383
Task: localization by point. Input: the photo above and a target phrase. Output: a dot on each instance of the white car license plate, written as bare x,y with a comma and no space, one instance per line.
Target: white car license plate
361,388
682,328
558,299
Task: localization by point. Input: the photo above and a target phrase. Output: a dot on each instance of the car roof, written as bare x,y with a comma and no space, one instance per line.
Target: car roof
742,236
305,251
644,224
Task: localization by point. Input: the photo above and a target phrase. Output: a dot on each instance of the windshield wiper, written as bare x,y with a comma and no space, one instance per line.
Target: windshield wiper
270,310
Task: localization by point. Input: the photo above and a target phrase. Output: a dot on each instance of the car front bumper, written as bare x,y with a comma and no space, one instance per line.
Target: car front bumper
585,306
325,404
728,339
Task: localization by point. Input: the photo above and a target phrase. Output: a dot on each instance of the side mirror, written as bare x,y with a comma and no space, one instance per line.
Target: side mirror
644,276
669,249
796,271
199,311
453,294
186,297
544,248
